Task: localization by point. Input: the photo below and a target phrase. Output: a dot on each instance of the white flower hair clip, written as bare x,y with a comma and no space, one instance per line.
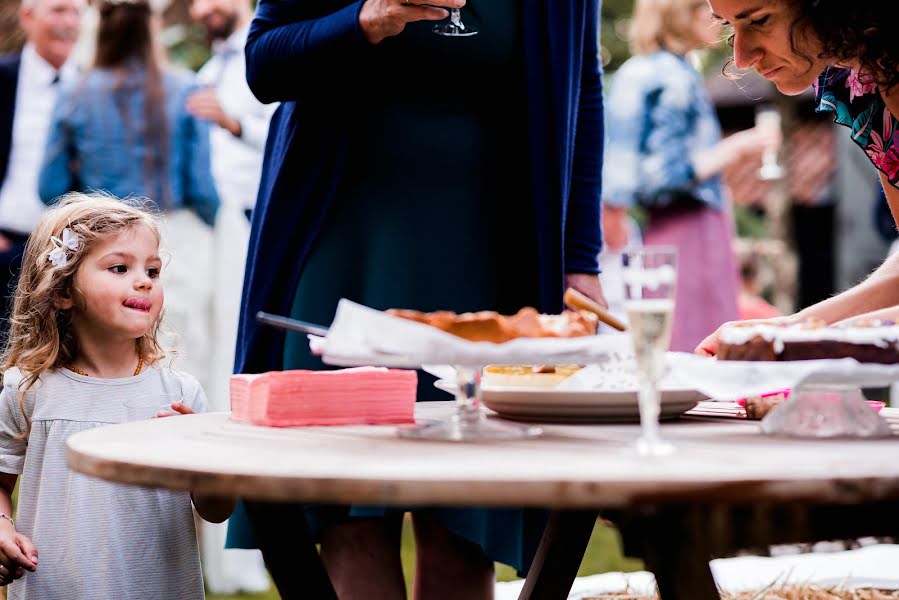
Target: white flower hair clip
59,255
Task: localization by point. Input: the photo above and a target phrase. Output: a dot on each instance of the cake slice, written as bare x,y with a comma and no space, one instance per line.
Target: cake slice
872,342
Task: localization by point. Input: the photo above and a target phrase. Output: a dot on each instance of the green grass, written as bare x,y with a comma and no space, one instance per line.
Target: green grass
603,555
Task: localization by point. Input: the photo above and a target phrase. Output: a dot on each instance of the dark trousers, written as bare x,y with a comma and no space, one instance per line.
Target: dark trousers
813,231
10,264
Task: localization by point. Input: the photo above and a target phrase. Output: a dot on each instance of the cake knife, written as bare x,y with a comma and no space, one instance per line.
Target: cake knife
291,324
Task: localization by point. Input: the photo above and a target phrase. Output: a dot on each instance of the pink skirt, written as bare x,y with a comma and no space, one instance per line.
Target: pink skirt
707,282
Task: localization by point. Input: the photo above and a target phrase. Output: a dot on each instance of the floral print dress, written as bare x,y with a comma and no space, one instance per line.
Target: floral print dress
857,104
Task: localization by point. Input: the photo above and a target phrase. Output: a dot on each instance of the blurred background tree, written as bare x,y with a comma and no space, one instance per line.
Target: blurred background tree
11,37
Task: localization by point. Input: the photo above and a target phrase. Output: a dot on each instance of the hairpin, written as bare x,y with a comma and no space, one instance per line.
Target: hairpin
59,254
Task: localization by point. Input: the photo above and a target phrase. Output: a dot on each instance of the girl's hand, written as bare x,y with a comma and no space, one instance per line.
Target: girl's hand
380,19
180,409
17,554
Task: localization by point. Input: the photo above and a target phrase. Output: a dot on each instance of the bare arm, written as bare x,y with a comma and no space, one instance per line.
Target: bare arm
877,297
17,553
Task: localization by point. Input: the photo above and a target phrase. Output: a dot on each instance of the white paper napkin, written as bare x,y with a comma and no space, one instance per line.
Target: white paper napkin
729,380
364,336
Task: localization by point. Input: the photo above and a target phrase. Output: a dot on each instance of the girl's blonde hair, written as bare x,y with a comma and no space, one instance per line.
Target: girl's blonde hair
664,25
40,336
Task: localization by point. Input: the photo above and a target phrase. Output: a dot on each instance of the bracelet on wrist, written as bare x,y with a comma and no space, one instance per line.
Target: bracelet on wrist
8,518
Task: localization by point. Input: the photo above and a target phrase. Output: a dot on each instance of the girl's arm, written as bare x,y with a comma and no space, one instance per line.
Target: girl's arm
17,553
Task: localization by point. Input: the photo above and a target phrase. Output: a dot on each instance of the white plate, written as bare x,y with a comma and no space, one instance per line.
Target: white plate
550,405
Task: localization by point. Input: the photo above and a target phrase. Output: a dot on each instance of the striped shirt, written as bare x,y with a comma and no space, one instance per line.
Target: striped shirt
96,539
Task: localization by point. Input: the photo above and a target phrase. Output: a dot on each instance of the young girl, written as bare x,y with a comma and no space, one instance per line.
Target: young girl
83,339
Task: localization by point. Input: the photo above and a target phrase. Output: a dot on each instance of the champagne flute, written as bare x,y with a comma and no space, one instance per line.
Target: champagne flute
468,422
649,282
455,27
767,117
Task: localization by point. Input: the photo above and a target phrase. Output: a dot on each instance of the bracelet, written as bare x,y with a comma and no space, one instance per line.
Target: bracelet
8,518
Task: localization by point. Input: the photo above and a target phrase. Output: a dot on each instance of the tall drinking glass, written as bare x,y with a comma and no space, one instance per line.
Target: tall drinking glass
650,278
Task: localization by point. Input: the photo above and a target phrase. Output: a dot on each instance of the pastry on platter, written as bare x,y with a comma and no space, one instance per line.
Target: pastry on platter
489,326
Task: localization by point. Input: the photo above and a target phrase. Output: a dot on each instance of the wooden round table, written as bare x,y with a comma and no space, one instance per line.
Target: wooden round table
570,466
726,487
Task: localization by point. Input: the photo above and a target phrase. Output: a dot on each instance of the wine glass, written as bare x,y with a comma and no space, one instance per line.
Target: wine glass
767,117
468,423
650,278
455,27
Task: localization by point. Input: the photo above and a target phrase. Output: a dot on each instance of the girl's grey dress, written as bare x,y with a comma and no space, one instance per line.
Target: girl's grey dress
95,539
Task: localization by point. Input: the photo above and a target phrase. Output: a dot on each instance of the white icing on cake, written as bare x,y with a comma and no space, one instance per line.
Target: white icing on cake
882,337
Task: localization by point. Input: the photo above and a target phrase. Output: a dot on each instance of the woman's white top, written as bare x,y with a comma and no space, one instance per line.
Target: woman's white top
95,539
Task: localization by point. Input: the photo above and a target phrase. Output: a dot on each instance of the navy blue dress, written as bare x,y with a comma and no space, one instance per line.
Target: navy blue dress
385,181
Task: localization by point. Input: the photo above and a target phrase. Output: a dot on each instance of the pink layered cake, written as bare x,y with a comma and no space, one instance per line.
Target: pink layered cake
363,395
875,342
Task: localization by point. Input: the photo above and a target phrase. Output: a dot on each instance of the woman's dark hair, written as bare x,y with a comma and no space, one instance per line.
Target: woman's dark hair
125,44
850,31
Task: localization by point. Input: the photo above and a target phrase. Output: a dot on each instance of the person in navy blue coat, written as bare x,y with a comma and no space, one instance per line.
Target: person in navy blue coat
409,170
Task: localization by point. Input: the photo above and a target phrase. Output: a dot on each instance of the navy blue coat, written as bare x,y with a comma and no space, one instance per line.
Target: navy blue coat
9,79
304,54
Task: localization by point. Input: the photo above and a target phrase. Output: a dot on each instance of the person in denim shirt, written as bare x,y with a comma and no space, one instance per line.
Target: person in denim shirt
123,128
665,153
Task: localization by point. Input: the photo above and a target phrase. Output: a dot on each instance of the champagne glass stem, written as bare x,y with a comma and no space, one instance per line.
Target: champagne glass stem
649,413
456,18
468,396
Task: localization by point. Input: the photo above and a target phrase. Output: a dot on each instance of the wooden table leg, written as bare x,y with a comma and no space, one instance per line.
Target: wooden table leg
289,551
673,541
559,555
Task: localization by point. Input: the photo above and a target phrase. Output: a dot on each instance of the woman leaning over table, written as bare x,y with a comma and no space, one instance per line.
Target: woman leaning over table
408,169
666,154
850,52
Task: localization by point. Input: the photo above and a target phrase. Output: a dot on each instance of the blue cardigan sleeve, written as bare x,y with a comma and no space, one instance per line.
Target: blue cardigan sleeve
289,48
667,165
56,177
583,236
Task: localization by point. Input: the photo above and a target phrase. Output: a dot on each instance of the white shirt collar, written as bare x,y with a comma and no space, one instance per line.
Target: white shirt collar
35,67
38,70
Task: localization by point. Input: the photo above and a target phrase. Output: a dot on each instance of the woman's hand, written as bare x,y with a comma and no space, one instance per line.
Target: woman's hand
588,284
751,143
709,346
17,553
380,19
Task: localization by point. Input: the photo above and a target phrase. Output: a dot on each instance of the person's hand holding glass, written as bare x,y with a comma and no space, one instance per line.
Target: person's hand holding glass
381,19
767,121
649,282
